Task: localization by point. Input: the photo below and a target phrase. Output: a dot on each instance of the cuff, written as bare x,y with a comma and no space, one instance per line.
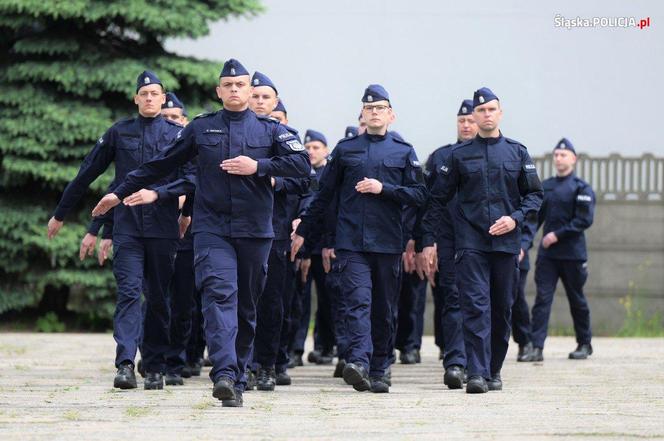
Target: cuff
263,167
388,190
518,217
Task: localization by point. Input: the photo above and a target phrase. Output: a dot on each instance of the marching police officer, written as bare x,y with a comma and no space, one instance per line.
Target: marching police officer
448,321
237,153
520,310
497,186
272,302
144,238
567,211
312,271
375,175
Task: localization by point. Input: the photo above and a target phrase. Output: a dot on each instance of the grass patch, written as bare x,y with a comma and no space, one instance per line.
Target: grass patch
136,412
72,415
203,405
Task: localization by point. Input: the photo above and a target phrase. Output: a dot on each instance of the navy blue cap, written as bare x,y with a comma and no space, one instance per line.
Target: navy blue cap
233,68
280,107
466,108
351,131
565,144
375,92
147,78
312,135
173,102
483,96
260,79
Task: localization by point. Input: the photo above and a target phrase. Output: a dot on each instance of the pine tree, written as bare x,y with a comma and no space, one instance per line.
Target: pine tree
68,72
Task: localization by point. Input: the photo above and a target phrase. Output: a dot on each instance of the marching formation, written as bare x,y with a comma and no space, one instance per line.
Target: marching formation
221,226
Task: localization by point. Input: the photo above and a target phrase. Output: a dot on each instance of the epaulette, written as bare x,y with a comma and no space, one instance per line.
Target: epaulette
204,115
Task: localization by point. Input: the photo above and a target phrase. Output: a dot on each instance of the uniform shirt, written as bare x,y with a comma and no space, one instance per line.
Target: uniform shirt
282,211
130,143
528,231
444,236
224,204
491,177
368,222
567,210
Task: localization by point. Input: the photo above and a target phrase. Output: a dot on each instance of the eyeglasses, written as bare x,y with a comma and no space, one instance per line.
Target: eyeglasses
378,108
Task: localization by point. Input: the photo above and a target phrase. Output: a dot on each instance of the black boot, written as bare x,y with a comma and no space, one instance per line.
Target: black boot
125,378
326,357
495,383
153,381
525,353
224,389
295,360
283,379
174,380
581,352
339,368
314,356
379,386
236,401
407,357
266,379
356,376
477,385
418,357
536,355
453,377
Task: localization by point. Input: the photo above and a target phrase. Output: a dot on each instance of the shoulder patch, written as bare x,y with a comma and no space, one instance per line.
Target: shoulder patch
515,142
584,198
295,145
529,167
204,115
444,169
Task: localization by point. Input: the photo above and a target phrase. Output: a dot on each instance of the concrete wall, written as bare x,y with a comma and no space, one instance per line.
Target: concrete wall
626,256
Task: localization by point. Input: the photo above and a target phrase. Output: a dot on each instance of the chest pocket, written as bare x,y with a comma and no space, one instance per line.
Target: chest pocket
129,149
512,168
392,170
209,149
259,147
471,186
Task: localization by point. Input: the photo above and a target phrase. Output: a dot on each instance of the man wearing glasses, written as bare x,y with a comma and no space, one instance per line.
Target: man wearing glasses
374,175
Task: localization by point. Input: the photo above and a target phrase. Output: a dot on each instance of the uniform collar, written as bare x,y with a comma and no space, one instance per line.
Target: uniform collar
149,120
234,116
376,138
489,141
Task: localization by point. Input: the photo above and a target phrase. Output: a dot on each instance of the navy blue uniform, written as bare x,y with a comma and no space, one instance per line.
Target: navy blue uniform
369,237
491,177
568,210
324,338
272,303
520,309
232,222
412,299
144,237
447,317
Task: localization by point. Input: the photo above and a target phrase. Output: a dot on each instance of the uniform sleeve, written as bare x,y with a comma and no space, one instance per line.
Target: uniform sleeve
105,219
442,191
94,164
329,183
290,158
530,189
292,185
183,150
584,211
413,191
188,206
528,231
183,185
430,172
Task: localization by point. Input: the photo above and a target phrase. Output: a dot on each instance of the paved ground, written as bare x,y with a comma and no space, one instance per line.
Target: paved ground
59,387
